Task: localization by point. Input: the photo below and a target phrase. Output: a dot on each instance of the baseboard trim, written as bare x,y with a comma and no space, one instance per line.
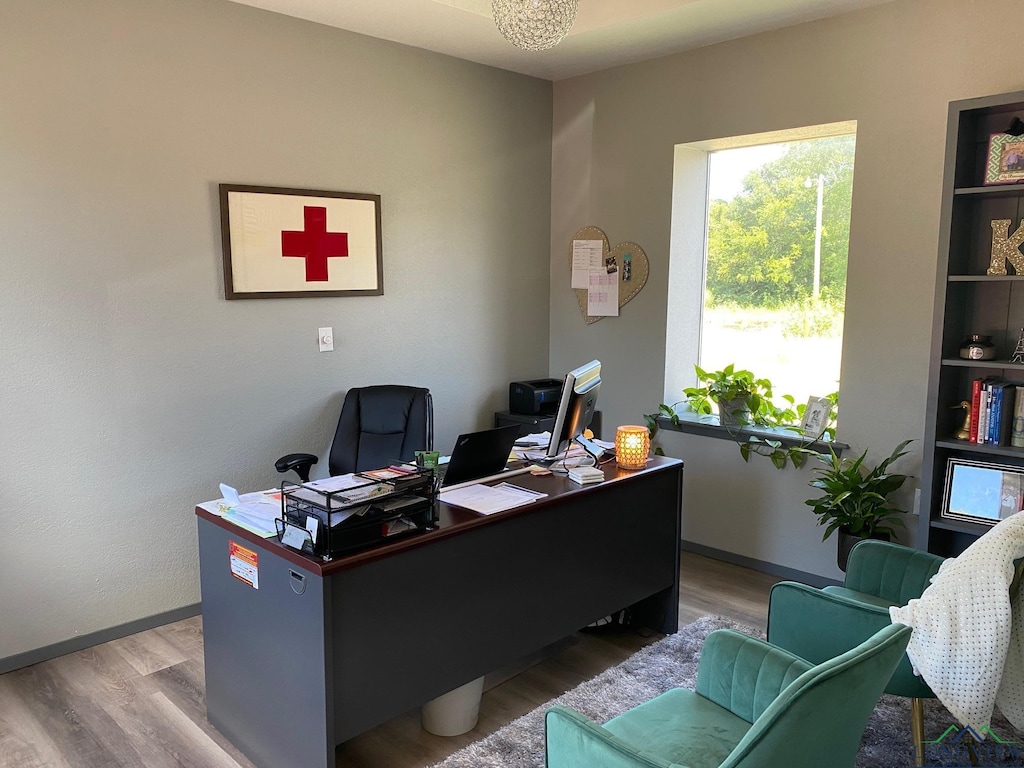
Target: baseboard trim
11,663
788,574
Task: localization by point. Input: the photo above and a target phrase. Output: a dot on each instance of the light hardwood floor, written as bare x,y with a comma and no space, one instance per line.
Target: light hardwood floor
138,702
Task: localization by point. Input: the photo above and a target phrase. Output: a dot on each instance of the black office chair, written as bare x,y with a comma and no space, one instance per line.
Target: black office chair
378,425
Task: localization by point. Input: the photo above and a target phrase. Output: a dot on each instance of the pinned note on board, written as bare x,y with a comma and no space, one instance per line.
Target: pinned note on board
605,279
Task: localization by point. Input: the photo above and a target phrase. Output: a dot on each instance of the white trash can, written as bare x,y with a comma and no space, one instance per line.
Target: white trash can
455,712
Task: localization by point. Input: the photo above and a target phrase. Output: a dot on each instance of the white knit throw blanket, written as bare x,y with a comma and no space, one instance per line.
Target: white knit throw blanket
968,641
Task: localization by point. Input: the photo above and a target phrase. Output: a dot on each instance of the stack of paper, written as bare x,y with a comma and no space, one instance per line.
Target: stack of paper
488,499
254,512
584,475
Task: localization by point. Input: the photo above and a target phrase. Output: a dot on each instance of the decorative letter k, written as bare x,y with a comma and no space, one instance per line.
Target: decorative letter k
1006,248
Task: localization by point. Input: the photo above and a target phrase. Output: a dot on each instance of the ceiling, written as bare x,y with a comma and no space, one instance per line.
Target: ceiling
606,33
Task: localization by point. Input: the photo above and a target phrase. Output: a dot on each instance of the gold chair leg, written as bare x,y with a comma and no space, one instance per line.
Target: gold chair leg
917,729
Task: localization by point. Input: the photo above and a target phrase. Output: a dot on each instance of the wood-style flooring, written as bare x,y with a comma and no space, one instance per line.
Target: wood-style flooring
138,702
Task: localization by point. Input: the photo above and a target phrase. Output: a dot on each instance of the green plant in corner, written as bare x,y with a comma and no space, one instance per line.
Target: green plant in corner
855,500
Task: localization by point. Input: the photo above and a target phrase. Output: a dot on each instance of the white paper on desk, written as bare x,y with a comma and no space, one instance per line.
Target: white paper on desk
603,294
535,439
255,512
586,258
259,526
487,499
575,451
338,483
344,514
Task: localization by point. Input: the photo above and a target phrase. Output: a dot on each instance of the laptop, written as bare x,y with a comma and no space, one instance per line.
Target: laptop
480,454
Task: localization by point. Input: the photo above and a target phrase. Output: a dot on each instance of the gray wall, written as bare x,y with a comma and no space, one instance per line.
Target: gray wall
129,386
893,69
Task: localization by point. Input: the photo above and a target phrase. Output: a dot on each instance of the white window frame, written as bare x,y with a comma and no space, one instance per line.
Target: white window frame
688,244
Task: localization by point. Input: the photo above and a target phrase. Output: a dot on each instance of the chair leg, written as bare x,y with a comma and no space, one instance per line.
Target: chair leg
917,729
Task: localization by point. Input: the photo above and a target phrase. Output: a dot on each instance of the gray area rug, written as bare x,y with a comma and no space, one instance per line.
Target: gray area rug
672,663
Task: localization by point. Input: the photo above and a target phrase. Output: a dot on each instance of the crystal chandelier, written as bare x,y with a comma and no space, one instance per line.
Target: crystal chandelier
534,25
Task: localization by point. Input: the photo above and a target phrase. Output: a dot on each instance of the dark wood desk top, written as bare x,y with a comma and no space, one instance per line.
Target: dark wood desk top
452,520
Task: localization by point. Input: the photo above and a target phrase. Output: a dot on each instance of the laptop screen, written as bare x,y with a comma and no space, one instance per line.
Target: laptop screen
479,454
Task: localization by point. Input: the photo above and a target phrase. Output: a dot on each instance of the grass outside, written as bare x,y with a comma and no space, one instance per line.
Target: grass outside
767,342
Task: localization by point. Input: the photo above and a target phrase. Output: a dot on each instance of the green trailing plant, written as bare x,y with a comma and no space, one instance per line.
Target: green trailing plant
733,389
856,498
749,400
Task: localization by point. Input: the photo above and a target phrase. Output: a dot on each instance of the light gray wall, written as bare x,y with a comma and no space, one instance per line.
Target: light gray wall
129,386
893,69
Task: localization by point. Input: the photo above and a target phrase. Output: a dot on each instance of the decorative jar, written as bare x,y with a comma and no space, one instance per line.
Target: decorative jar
978,347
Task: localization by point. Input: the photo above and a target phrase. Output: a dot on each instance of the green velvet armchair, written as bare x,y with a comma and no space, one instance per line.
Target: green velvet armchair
879,575
817,624
755,705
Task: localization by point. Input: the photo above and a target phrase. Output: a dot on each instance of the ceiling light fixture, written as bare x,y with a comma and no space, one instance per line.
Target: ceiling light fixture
534,25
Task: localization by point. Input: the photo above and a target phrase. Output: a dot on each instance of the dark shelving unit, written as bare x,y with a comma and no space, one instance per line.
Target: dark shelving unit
969,301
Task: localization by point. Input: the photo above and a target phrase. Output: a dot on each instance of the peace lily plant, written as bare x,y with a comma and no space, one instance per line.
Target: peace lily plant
855,499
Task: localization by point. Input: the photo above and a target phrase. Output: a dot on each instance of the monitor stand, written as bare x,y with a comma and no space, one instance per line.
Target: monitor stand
593,449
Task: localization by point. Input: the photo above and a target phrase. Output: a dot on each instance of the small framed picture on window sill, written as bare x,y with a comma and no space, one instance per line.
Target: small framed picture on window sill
815,417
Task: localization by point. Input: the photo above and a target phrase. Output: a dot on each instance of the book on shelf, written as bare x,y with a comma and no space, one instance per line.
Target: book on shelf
1017,430
983,413
1002,412
995,407
975,409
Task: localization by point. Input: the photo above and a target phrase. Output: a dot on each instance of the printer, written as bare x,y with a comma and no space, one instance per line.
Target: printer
537,396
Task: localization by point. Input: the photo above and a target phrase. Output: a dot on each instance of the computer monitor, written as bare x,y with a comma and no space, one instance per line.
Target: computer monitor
575,410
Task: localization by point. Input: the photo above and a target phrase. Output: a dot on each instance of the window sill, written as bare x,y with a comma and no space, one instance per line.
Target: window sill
708,426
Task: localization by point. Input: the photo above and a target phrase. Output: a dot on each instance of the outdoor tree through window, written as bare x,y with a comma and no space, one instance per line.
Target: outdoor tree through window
777,240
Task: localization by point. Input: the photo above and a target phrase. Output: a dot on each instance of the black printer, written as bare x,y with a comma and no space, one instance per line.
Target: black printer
537,396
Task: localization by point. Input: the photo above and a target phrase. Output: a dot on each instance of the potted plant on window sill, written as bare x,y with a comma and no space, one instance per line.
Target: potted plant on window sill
746,411
739,397
855,500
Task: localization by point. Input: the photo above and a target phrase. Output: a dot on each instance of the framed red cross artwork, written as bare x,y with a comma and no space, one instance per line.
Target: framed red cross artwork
284,243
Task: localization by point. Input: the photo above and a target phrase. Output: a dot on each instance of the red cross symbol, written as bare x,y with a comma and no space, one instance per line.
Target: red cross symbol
315,244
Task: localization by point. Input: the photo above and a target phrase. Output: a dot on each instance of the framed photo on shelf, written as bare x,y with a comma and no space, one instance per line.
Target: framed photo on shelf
1005,159
815,416
294,243
981,492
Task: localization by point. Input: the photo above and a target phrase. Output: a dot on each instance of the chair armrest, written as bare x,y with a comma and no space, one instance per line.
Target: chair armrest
817,625
573,741
890,571
300,462
743,674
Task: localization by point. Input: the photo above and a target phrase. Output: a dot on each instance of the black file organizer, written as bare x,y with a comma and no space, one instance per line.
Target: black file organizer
395,508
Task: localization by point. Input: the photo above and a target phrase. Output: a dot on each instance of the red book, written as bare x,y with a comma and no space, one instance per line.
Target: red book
975,407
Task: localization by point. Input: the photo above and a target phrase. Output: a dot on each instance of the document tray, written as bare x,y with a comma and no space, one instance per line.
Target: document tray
332,523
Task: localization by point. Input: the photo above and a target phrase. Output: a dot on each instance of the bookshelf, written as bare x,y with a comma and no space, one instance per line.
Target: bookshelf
969,301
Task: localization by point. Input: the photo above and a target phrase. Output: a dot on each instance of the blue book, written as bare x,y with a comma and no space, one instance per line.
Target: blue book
993,424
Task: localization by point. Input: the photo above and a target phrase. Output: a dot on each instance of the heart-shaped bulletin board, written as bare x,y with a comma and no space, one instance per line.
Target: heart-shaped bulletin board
637,274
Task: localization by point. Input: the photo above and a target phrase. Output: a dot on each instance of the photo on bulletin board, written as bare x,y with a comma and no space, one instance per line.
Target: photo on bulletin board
297,243
982,492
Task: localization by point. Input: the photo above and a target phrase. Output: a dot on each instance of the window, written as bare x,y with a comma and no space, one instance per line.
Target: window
760,235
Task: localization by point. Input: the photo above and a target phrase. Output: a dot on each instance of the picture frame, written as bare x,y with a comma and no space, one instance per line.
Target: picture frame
982,492
1005,163
286,243
815,416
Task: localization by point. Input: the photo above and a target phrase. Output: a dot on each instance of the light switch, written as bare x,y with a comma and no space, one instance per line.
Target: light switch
326,338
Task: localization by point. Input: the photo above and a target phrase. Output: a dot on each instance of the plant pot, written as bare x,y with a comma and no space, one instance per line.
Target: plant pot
734,413
847,541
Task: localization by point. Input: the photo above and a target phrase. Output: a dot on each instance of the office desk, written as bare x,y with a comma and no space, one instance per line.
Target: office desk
376,633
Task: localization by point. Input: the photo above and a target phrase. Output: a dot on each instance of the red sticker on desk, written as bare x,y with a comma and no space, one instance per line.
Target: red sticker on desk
245,564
